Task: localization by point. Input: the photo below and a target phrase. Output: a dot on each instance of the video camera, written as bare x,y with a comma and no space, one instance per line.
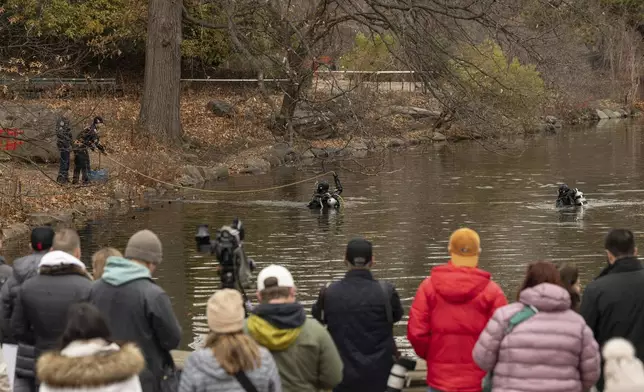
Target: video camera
225,246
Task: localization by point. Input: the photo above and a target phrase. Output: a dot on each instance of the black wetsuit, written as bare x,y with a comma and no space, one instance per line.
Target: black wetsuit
322,195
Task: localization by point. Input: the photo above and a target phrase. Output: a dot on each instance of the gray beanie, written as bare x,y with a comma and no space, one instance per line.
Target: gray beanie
144,246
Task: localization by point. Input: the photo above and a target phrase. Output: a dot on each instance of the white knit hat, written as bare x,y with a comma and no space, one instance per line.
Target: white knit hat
623,372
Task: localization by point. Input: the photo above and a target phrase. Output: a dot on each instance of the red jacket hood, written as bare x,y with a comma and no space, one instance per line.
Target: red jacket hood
458,284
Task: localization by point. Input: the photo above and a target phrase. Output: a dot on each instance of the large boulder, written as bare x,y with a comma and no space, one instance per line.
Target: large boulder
255,166
438,137
38,123
314,124
609,113
191,176
221,108
602,115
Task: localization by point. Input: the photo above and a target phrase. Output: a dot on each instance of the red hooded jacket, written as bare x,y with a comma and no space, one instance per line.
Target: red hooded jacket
450,310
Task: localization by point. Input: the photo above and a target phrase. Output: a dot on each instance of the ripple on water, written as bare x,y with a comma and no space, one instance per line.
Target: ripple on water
408,214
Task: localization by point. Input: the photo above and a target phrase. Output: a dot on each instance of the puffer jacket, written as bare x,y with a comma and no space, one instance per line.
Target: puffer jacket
202,373
304,352
138,310
552,351
43,301
91,366
450,310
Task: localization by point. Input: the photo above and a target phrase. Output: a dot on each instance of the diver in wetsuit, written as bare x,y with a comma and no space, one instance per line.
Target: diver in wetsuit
322,197
568,197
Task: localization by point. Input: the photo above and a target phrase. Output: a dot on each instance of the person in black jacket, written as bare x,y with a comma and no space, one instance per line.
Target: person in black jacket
64,144
613,304
137,309
360,312
88,139
24,268
42,304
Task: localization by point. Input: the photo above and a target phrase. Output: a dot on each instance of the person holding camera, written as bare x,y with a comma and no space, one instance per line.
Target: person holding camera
360,312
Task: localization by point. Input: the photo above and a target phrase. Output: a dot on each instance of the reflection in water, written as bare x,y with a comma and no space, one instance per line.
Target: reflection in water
408,215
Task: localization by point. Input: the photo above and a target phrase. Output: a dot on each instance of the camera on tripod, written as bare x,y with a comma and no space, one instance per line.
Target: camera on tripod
234,267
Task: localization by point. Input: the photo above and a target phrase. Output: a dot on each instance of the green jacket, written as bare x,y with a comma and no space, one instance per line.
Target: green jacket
304,352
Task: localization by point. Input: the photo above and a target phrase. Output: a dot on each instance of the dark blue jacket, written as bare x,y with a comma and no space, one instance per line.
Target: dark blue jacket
356,316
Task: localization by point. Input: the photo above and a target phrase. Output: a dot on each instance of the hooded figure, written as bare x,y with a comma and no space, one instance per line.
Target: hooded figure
88,361
450,310
230,356
306,356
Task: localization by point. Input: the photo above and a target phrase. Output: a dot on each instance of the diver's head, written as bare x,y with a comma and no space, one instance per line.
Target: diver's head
563,188
323,187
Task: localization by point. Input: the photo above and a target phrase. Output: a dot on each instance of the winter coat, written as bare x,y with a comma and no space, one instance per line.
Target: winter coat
43,301
202,373
138,310
355,313
554,350
23,269
63,134
612,305
304,352
623,372
88,138
450,310
91,366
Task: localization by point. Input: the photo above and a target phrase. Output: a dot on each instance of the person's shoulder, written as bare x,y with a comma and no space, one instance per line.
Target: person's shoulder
313,327
505,312
493,288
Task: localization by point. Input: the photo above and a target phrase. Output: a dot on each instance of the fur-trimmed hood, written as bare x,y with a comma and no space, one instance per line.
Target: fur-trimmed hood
92,363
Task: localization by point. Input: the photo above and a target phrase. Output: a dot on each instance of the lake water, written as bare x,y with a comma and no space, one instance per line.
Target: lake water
408,211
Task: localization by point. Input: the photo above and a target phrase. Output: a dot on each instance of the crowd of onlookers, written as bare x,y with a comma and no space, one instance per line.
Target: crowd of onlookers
113,330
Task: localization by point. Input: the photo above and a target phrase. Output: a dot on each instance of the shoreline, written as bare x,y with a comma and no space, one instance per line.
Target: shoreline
260,160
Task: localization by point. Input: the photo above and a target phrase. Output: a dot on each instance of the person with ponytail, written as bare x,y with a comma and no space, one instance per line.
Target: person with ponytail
569,274
231,360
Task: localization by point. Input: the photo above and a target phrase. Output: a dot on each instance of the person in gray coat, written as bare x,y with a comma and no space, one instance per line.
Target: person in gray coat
230,357
137,309
24,268
43,302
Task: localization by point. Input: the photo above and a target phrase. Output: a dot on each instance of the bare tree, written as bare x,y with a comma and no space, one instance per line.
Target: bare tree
160,105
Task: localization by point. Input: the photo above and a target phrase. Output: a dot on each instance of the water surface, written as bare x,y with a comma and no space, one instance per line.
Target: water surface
408,213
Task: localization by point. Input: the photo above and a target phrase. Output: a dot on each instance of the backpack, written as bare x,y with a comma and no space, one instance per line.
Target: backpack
225,244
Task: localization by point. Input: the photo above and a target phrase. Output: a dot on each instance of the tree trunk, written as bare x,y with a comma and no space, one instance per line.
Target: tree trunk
160,107
297,81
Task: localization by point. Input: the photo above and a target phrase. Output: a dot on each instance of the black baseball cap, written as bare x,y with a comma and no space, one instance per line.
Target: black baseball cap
359,252
42,238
